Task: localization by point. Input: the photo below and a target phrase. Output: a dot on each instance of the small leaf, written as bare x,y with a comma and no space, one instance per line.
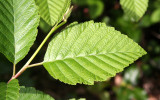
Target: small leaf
155,17
134,9
9,91
88,52
18,28
52,11
32,94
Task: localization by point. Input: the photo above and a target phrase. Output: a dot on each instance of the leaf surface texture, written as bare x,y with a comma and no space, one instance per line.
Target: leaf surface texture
32,94
19,20
9,91
88,52
52,11
135,9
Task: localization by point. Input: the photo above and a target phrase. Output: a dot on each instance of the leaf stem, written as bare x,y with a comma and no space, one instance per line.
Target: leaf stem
36,52
14,70
37,64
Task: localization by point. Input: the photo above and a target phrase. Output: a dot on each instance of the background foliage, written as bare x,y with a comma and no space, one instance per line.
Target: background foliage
140,81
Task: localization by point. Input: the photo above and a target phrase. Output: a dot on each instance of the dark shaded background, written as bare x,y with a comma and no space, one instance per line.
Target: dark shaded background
140,81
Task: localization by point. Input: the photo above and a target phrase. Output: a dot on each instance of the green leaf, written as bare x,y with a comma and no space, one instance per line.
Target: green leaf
18,28
32,94
12,91
155,17
96,9
9,91
89,52
52,11
135,9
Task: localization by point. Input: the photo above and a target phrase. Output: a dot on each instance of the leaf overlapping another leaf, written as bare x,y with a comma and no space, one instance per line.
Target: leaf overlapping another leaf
32,94
88,52
12,91
9,91
135,9
18,28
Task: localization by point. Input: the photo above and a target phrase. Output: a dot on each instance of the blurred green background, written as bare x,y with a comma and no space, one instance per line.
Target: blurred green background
140,81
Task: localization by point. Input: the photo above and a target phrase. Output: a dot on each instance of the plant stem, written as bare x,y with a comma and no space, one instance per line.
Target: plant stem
37,64
36,52
14,70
